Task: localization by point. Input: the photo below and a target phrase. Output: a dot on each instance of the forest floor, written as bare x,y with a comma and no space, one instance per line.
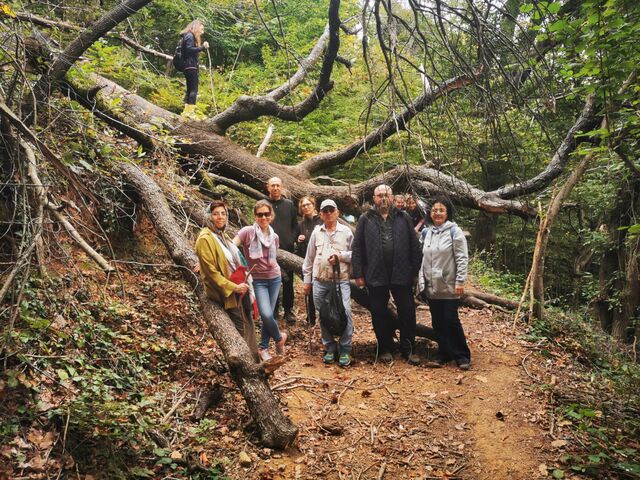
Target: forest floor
499,420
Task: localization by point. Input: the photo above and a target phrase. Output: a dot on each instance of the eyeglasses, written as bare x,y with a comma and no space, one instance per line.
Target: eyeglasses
328,210
439,210
263,214
380,195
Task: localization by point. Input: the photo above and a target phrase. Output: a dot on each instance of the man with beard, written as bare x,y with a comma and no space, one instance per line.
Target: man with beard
386,258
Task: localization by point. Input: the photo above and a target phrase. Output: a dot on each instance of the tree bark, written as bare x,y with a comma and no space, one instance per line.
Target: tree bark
276,430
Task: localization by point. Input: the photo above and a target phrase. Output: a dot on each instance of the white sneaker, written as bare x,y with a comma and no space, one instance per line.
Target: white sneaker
264,354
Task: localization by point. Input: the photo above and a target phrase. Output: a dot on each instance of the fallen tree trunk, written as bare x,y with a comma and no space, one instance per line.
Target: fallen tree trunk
276,430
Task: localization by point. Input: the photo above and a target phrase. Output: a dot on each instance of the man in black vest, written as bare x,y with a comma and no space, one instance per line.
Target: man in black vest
286,226
386,258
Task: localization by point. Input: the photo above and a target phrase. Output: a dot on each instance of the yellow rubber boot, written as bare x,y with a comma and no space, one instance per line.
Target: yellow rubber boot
189,111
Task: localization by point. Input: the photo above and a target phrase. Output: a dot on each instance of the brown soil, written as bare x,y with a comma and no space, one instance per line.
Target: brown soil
372,420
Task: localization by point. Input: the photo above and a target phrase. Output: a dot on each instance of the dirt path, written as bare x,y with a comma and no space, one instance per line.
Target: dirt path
396,421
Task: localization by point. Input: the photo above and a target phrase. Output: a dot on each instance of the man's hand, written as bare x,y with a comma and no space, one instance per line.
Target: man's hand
360,281
333,259
301,238
307,288
459,290
241,288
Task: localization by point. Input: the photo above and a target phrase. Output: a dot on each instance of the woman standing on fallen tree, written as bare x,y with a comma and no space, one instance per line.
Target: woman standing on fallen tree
260,244
192,45
219,260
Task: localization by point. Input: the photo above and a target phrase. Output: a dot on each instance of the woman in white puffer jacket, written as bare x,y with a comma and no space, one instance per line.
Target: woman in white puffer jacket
442,276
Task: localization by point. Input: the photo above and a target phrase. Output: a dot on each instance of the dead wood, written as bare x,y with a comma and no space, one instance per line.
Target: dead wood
208,400
275,429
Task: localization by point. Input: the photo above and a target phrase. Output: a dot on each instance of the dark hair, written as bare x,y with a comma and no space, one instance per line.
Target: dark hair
215,204
444,201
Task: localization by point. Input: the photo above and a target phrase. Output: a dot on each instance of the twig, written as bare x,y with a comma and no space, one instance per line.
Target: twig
265,141
174,407
383,467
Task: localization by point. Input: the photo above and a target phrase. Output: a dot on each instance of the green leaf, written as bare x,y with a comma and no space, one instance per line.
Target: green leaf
558,25
554,7
557,473
62,374
141,472
526,8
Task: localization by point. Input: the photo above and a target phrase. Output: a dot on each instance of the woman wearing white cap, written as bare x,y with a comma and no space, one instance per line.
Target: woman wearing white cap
329,245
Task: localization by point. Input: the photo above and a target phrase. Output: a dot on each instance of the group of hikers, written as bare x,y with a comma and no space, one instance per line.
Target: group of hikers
393,253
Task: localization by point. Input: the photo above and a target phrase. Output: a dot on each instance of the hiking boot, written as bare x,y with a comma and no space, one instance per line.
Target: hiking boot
289,318
344,360
412,359
280,344
329,358
385,357
436,363
264,354
464,365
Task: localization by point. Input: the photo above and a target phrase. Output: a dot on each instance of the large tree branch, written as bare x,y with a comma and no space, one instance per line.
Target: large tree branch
69,27
276,430
250,108
394,124
77,47
587,121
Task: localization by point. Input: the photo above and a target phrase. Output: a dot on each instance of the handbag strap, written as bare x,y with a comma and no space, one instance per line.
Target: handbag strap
336,280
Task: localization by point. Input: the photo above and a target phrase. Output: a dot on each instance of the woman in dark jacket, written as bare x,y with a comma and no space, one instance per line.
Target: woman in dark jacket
192,45
310,220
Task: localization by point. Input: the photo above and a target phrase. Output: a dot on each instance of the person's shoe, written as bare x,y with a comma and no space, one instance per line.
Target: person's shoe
264,354
289,317
464,365
189,111
280,344
329,358
344,360
412,359
436,363
385,357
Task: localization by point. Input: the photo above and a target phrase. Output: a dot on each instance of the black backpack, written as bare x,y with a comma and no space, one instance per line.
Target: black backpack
332,313
178,58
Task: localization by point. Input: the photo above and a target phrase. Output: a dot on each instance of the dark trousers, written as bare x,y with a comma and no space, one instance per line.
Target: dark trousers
191,75
382,325
242,319
452,344
287,290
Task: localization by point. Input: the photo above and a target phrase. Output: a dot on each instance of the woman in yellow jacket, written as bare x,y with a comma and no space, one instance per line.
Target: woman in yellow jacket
218,259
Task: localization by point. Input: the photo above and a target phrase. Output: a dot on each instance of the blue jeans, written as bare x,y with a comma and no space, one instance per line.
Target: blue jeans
320,291
266,296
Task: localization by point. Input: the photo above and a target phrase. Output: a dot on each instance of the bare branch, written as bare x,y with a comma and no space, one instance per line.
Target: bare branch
330,159
72,53
249,108
588,120
265,141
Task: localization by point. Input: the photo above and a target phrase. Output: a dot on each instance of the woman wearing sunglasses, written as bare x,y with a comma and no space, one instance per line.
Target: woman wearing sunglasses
260,244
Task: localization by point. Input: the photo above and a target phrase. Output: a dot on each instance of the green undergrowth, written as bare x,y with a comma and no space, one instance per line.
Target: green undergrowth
94,371
597,399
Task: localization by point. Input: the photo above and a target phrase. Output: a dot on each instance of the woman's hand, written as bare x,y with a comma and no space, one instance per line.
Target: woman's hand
301,238
205,45
241,288
459,290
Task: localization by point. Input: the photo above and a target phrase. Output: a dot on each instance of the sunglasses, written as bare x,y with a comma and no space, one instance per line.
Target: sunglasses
263,214
328,210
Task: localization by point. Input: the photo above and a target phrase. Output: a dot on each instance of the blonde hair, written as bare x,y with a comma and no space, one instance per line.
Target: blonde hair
194,28
264,203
